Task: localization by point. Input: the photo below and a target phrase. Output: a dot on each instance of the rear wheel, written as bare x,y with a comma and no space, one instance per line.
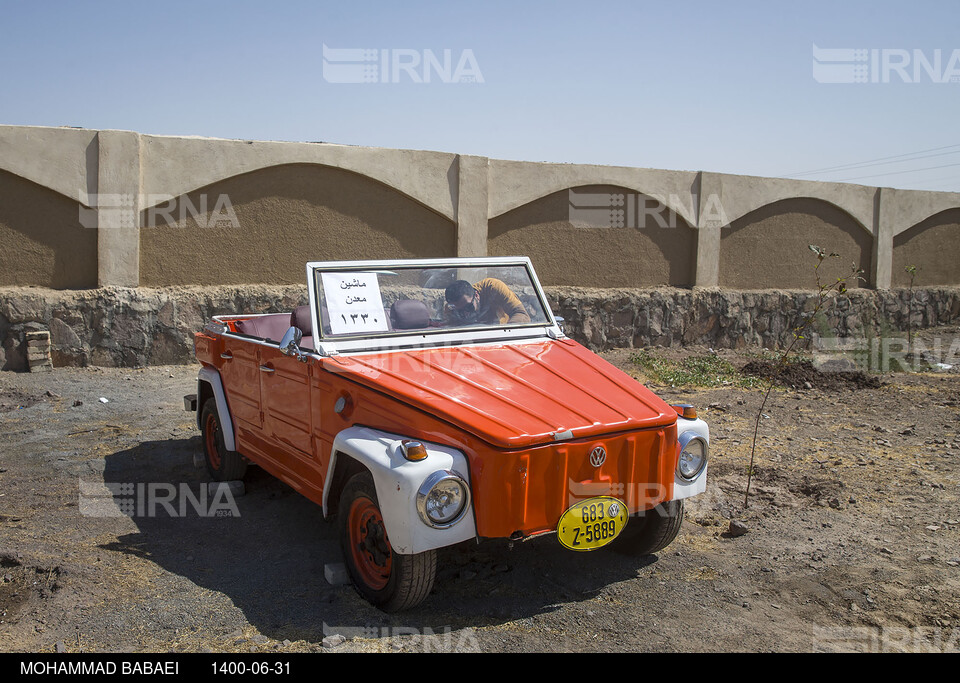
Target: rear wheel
651,531
223,465
388,580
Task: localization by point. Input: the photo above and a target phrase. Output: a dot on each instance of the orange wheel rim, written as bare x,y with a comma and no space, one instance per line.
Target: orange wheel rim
210,434
369,547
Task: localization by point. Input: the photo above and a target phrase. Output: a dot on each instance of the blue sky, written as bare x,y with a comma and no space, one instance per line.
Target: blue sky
715,86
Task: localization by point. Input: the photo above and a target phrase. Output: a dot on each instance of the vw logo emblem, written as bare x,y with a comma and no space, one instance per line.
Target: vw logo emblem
597,456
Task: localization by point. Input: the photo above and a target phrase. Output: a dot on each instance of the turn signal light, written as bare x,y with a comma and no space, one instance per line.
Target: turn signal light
413,450
686,411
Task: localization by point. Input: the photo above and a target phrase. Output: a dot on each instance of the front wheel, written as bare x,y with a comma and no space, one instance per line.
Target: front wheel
223,465
651,531
388,580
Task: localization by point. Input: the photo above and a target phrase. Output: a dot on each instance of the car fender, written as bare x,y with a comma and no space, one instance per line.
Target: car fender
212,377
397,481
683,488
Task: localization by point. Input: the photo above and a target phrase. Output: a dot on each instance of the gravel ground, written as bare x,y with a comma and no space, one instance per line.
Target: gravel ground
851,537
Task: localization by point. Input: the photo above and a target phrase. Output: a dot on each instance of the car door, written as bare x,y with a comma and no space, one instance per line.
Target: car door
239,370
287,427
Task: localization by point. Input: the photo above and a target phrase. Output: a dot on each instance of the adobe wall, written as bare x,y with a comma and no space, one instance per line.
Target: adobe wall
285,214
82,208
123,244
41,239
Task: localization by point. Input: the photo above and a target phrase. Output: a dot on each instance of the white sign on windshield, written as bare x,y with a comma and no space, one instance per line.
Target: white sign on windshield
354,303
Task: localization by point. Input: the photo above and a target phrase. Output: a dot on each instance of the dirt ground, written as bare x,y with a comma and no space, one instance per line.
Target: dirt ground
852,536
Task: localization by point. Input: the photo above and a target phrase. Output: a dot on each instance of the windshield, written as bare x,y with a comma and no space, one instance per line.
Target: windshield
355,302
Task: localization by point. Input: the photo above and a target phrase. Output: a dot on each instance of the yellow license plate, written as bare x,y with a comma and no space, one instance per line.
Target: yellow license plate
592,523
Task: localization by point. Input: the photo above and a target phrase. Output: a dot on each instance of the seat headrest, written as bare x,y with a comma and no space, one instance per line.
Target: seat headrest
271,327
409,314
302,319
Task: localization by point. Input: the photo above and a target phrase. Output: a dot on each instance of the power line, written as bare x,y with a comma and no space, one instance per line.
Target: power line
946,177
879,175
854,167
872,162
876,161
951,180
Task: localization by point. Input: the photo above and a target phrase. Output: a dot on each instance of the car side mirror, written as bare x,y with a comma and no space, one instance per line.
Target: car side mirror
290,344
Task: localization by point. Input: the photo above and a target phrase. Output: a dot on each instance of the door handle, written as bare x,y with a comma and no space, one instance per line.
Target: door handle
226,355
264,368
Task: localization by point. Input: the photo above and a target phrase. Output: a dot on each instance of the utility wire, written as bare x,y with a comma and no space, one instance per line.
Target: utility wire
878,162
855,167
951,180
879,175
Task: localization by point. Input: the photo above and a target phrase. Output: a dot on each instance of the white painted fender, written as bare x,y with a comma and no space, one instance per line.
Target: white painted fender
212,377
681,487
397,481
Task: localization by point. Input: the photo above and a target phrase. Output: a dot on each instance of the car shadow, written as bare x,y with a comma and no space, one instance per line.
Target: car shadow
267,549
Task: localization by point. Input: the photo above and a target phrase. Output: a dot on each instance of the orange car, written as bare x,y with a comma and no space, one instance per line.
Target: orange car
425,403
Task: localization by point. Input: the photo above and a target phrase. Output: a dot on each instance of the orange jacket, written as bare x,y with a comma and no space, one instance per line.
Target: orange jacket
498,303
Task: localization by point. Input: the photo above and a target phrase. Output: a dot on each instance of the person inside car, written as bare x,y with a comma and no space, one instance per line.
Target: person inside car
488,302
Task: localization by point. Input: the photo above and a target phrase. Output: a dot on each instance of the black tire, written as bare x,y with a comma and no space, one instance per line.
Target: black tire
652,531
388,580
223,465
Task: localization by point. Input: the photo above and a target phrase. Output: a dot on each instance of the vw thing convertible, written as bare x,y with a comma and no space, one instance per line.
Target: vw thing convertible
426,403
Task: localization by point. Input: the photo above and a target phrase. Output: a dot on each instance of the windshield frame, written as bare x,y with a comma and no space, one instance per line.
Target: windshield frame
401,339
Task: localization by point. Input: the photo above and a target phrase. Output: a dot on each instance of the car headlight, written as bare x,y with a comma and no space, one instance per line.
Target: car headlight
693,456
442,498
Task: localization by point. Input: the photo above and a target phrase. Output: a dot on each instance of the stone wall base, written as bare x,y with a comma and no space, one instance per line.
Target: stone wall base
129,327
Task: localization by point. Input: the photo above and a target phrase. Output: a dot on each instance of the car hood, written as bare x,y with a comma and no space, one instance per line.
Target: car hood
513,395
